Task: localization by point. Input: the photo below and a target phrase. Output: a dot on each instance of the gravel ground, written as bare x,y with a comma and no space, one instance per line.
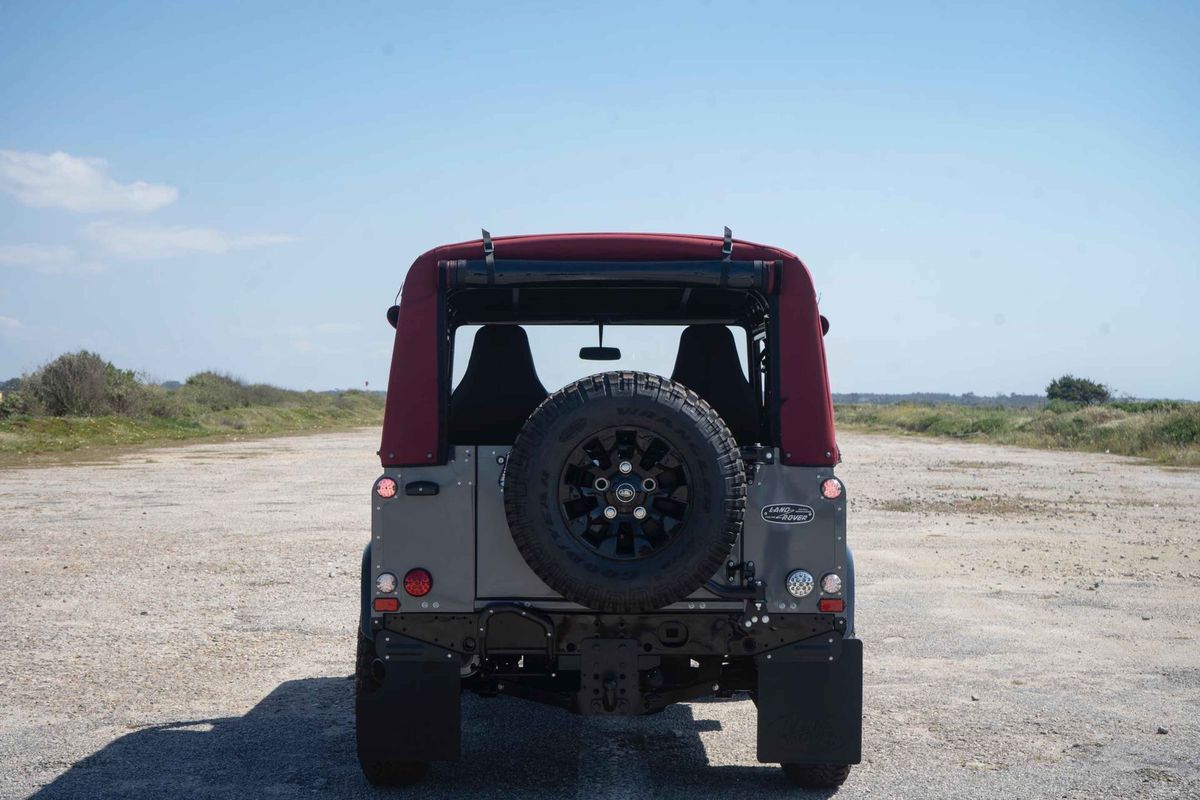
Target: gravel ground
179,622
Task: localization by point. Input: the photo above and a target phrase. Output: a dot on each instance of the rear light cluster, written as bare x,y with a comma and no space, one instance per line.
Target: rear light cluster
385,488
417,582
800,584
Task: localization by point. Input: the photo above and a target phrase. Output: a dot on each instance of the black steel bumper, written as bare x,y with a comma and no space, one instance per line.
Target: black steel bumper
512,629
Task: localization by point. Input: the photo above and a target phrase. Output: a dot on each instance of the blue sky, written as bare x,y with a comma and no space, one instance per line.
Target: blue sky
988,196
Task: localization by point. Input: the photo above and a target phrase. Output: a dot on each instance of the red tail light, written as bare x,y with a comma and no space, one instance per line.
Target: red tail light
387,604
831,488
835,605
418,582
385,488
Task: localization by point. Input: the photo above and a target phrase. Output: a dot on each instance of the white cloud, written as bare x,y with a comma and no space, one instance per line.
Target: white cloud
8,323
61,180
46,259
142,242
34,255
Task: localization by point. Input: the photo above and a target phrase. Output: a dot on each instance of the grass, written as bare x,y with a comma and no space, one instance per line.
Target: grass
1164,431
208,405
80,401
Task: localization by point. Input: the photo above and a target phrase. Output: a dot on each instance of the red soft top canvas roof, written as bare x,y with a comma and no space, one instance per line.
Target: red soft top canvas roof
412,427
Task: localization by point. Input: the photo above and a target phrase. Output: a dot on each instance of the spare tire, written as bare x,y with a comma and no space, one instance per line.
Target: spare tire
624,492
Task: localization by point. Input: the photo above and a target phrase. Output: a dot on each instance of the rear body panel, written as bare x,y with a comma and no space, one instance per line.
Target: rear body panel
460,535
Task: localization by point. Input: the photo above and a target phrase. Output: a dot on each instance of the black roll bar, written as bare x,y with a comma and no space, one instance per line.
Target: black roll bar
519,272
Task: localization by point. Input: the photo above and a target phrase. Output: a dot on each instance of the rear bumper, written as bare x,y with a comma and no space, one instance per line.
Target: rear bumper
514,629
808,692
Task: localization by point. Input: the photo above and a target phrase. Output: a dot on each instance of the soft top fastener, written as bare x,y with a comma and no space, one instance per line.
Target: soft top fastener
489,255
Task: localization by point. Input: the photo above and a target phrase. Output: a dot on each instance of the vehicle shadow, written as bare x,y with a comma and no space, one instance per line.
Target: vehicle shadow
299,740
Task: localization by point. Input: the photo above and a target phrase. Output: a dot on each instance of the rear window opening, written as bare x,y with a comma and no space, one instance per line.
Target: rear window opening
644,348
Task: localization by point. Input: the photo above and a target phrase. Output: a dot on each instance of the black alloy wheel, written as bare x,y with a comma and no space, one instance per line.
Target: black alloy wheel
624,493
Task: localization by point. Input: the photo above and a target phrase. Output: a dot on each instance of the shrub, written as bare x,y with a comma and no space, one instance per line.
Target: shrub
1140,406
80,385
1181,427
1078,390
212,391
16,402
85,385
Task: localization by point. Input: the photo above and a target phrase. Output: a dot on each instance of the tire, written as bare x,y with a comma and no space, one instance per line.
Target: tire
364,681
817,776
380,772
685,470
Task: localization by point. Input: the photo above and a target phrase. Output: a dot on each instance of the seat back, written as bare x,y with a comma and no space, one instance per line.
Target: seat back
499,389
707,363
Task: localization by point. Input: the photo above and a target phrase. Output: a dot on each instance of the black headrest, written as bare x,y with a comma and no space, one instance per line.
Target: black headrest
708,364
499,389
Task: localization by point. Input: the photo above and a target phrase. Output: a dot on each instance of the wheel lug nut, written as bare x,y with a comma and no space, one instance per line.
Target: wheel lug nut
610,512
639,513
625,467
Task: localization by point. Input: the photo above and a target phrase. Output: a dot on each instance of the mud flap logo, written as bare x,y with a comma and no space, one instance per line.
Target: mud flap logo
788,513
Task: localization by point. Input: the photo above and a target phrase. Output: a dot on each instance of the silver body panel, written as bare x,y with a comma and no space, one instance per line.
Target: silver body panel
460,535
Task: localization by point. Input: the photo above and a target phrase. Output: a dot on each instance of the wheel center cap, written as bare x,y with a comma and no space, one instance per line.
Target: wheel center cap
625,492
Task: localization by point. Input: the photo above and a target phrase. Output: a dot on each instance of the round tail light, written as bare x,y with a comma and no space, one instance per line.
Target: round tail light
831,488
418,582
385,488
385,583
799,583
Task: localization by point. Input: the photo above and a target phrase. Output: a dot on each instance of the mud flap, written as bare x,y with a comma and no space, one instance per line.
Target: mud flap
413,714
810,702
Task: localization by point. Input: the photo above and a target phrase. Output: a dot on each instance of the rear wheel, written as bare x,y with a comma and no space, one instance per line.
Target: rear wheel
817,776
624,492
379,772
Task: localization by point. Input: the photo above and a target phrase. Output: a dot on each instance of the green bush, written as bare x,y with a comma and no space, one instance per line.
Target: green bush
213,391
17,403
1181,427
1077,390
1140,406
85,385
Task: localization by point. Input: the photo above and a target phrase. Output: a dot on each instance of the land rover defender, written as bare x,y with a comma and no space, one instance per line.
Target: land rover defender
623,542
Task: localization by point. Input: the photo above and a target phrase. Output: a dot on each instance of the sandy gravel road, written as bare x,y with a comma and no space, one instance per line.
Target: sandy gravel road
179,623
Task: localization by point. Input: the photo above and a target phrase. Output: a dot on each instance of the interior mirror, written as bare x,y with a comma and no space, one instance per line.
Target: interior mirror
600,353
